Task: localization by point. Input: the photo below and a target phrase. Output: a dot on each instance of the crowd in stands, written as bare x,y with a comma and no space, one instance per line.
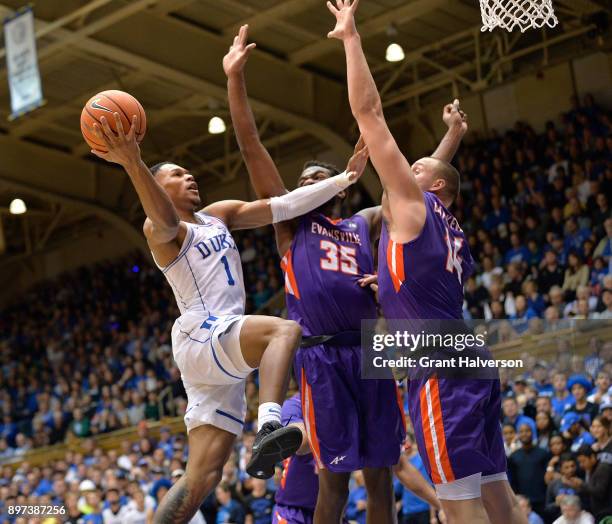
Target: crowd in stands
538,216
89,352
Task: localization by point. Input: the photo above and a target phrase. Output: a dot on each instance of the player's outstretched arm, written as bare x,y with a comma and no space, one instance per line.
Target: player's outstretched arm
457,123
262,170
163,222
247,215
393,168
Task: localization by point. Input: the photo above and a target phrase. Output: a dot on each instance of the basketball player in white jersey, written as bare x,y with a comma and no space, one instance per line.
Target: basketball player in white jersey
214,344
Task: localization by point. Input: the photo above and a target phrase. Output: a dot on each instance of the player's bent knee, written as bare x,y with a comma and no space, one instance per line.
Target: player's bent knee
290,330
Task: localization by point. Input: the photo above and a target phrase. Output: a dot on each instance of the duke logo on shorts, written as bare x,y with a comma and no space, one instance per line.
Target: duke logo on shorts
207,281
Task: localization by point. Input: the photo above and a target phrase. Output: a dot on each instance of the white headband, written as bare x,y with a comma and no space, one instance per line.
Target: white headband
309,171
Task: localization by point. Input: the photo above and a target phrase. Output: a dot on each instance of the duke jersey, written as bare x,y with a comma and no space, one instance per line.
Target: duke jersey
326,259
206,276
423,278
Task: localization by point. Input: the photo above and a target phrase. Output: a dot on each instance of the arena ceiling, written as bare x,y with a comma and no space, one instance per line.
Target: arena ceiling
168,54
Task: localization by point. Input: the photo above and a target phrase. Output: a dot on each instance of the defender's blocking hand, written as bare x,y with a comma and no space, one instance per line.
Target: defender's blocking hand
238,54
453,116
345,18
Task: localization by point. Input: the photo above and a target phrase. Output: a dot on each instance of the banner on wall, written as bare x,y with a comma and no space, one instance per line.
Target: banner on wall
22,63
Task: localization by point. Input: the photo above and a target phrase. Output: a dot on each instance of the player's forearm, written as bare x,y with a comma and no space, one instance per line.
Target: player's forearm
247,215
363,93
155,201
412,479
243,119
392,167
448,147
262,171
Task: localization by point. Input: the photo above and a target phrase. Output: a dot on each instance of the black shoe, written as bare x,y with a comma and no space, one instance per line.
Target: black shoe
273,444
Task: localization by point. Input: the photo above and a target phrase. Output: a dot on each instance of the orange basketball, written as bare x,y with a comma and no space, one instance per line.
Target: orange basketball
105,104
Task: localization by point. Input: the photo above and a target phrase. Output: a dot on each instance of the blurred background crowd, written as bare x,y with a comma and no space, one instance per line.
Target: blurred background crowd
89,352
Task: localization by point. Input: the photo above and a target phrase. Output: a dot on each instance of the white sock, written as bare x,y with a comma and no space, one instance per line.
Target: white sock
268,412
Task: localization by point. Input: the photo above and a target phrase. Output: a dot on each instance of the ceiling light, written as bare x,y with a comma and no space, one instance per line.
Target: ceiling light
17,207
216,125
395,53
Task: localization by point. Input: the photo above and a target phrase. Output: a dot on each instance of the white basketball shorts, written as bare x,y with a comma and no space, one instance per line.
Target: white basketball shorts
207,352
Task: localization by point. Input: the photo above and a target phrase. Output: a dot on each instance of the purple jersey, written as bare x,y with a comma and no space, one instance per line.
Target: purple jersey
299,486
423,278
326,259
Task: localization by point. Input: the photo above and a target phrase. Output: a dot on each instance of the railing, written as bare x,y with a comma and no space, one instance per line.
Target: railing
106,441
576,339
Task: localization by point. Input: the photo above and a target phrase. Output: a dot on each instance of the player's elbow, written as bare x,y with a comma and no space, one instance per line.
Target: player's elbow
161,232
370,111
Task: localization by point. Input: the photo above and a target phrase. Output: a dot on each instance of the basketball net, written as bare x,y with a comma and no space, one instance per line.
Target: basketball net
521,14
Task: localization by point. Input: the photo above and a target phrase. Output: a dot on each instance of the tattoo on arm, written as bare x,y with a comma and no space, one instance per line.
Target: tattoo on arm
178,506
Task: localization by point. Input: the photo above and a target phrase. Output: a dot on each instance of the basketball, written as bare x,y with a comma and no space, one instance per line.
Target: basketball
106,103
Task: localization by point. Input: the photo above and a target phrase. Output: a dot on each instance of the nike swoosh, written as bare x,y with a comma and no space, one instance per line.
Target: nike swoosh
95,105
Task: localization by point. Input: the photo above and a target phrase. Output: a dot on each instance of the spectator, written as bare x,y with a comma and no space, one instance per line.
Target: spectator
511,415
606,313
601,394
518,253
557,448
80,424
259,503
535,301
230,510
357,503
551,274
579,385
114,512
601,429
604,248
262,293
573,429
606,411
540,379
576,274
511,442
532,516
546,429
567,484
137,513
526,468
572,512
562,399
597,485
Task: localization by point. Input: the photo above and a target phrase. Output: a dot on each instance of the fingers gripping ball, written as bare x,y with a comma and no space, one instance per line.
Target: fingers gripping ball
105,104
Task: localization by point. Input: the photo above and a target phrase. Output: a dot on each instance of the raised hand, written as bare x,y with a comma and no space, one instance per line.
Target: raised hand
122,148
238,54
357,163
453,116
345,18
